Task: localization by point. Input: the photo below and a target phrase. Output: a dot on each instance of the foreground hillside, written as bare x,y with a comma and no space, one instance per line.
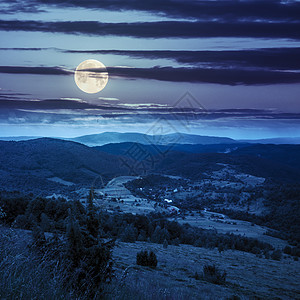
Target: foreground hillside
248,277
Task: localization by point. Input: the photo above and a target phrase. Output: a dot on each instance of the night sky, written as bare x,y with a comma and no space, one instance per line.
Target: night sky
224,68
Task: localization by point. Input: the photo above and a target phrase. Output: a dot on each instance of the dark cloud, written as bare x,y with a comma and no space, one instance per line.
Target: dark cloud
44,104
24,49
14,6
274,58
227,76
165,29
221,10
219,76
33,70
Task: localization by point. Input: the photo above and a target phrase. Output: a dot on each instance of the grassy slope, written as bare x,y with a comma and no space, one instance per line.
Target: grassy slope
248,276
21,275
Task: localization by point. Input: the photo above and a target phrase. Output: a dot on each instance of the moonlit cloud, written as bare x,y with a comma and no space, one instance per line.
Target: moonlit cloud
274,58
155,51
232,76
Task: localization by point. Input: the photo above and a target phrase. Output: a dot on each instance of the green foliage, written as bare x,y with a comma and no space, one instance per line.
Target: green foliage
146,258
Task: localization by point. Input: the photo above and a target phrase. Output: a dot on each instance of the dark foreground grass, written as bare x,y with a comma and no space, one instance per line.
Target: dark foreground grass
23,274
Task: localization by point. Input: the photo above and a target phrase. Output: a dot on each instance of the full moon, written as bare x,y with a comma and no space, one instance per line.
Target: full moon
89,81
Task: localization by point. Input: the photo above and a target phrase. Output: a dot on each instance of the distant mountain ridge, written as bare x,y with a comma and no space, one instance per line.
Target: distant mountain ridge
19,138
105,138
278,141
146,139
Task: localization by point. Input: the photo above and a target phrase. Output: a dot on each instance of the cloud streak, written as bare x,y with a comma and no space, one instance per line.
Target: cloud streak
220,10
275,58
69,106
33,70
225,76
283,58
164,29
219,76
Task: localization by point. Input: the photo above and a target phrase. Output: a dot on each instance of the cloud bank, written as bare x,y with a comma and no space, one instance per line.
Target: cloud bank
225,76
201,9
164,29
274,58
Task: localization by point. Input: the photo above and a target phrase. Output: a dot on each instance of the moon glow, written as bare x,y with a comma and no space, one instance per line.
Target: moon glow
89,81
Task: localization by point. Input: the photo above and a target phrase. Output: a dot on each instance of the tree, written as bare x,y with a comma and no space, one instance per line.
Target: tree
74,246
88,263
92,220
129,234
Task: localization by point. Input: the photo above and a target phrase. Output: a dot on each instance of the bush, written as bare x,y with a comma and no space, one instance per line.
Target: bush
287,250
276,254
212,274
145,258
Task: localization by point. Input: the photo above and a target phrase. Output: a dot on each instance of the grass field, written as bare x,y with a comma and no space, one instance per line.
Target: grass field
22,276
247,275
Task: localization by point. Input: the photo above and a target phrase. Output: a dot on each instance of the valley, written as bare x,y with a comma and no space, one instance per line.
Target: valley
233,206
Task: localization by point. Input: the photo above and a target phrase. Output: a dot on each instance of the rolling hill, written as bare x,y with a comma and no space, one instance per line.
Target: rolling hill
178,138
31,163
53,164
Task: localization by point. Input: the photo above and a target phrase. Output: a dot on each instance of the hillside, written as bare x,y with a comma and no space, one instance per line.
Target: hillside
52,164
284,154
279,162
28,164
123,148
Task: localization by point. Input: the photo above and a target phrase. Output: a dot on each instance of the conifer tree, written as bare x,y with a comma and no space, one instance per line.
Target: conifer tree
75,247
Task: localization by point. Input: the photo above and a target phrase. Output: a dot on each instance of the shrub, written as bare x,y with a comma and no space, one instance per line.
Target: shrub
287,250
276,254
145,258
212,274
